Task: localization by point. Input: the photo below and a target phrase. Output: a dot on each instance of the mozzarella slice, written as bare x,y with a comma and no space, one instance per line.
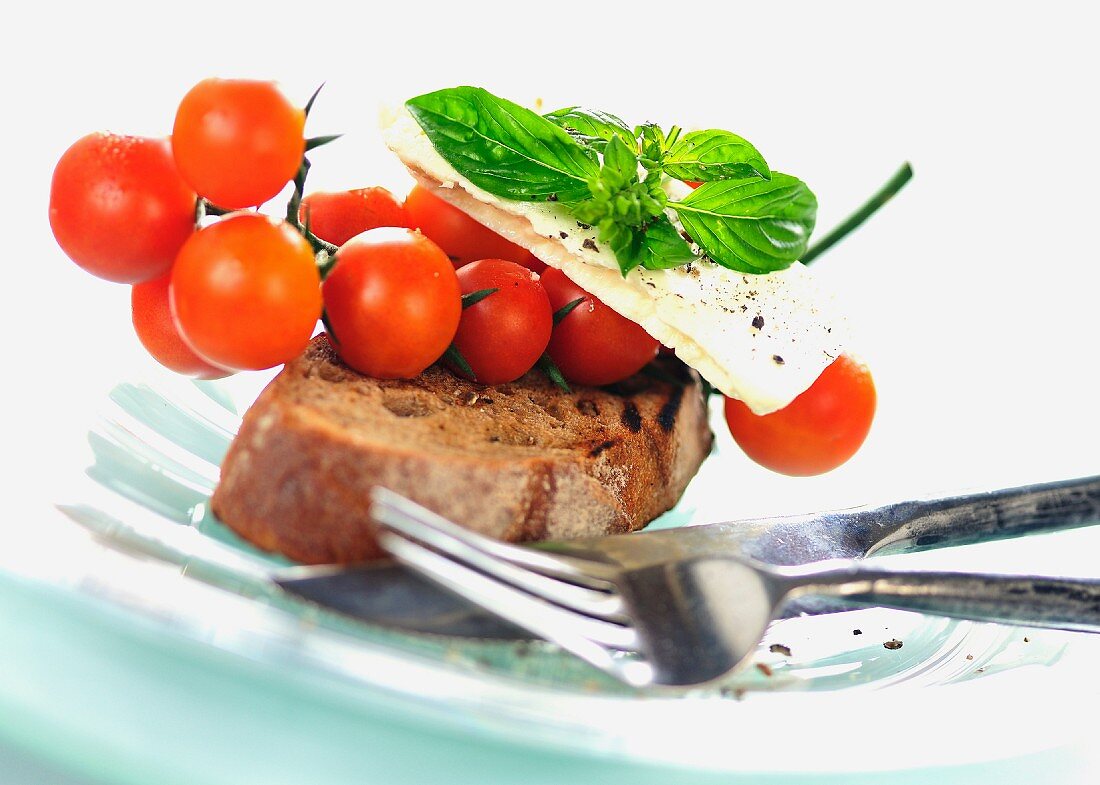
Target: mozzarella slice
763,339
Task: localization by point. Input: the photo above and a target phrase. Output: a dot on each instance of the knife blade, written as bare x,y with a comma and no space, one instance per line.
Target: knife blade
390,595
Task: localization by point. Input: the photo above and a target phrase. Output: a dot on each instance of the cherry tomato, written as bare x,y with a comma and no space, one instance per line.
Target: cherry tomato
464,239
338,216
119,208
393,303
593,344
818,431
238,141
693,183
245,292
503,336
156,329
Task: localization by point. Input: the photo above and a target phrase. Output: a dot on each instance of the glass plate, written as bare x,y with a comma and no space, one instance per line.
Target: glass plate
152,547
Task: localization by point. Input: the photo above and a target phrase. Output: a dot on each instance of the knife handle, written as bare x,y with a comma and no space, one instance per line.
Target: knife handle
982,517
858,532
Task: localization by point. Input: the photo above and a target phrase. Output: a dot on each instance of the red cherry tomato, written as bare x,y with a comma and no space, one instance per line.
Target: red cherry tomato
503,335
245,292
393,303
119,208
464,239
238,141
593,345
156,329
338,216
693,183
821,429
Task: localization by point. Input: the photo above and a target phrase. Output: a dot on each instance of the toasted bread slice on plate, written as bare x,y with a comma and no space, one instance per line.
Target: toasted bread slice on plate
520,461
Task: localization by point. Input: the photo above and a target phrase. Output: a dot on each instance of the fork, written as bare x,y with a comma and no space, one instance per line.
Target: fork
173,443
696,619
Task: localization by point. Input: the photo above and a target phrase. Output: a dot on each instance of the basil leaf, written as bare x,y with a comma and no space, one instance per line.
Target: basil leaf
658,246
664,247
503,148
592,128
750,225
627,245
621,161
714,155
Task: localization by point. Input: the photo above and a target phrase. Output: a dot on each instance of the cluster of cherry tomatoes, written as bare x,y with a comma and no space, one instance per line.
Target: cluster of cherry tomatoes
241,293
399,285
245,292
439,282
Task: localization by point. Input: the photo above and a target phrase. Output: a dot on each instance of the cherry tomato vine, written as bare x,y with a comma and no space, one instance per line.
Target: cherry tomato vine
398,285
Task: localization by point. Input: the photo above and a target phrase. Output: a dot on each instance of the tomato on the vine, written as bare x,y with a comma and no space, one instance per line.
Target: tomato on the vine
392,302
245,292
157,331
502,336
238,141
460,236
818,431
338,216
593,344
119,208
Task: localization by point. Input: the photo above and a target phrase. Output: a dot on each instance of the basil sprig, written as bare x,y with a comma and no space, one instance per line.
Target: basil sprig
610,176
629,212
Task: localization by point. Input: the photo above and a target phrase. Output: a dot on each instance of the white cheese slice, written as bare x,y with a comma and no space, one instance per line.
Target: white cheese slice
763,339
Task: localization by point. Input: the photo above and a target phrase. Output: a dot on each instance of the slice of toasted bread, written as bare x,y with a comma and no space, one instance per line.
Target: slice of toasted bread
520,461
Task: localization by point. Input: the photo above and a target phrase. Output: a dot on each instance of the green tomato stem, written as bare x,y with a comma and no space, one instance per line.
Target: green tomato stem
547,366
473,298
319,246
312,98
455,356
325,262
884,194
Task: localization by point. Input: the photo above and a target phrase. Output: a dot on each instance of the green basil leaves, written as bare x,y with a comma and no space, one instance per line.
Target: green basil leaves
502,147
750,225
592,129
611,176
714,155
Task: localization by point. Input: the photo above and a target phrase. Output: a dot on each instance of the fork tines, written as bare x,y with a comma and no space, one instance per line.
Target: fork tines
538,592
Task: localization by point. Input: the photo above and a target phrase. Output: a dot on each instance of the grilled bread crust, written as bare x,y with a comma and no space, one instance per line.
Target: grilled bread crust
519,462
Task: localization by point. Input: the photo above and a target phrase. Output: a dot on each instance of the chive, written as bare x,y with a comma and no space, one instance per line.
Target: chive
885,194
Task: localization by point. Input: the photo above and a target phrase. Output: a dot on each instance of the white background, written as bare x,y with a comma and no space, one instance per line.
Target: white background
974,293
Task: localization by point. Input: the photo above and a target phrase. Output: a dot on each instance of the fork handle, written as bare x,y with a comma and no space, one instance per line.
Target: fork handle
1061,603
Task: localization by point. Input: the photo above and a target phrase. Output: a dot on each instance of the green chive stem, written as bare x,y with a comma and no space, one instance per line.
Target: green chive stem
884,194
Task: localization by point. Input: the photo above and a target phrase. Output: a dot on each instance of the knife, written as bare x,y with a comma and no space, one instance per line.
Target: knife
389,595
